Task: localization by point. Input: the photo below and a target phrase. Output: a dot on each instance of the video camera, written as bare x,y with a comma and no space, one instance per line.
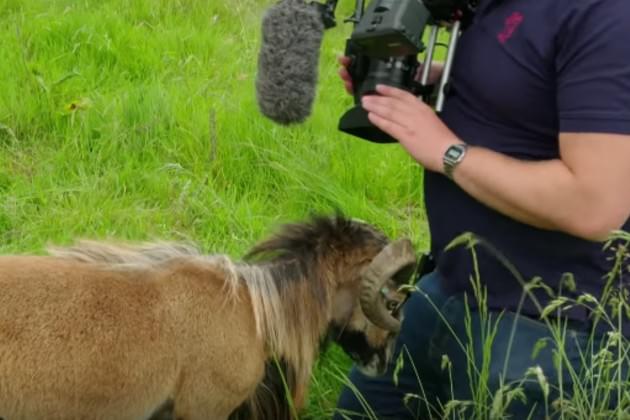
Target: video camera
384,48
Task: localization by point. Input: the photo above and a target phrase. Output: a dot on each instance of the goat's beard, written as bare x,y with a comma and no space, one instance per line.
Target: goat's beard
379,362
370,360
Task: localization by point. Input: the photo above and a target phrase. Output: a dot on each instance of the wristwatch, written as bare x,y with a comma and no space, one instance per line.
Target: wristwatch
453,157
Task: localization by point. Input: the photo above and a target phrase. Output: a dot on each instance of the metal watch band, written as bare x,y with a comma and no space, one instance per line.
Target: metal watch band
452,157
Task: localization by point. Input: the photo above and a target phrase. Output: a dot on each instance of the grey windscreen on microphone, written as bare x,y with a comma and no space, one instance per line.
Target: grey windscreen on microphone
286,83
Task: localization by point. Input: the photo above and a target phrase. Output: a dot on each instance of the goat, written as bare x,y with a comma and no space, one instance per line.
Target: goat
103,331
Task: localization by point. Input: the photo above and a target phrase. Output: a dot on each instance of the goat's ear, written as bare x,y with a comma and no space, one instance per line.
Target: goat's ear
343,305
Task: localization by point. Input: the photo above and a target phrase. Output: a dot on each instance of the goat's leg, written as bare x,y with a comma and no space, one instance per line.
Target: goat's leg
165,412
200,400
197,409
199,414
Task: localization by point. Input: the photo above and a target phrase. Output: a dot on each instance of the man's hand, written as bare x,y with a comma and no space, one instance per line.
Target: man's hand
582,193
413,123
345,74
434,74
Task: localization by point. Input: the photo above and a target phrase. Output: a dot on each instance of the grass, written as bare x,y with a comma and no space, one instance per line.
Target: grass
141,120
582,376
137,120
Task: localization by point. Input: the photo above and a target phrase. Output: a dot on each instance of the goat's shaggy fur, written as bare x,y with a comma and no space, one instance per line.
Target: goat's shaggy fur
105,331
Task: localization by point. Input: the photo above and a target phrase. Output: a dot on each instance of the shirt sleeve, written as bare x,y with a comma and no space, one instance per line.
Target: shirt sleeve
593,67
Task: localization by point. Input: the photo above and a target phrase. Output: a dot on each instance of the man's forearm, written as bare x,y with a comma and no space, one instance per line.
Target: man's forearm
584,193
544,194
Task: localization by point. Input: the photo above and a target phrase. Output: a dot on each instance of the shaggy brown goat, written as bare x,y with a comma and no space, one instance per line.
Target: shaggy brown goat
101,331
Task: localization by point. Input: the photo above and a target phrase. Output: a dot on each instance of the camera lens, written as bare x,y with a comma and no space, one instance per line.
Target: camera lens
392,71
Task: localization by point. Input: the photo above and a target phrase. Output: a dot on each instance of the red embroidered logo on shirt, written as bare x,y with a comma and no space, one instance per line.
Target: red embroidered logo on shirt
511,25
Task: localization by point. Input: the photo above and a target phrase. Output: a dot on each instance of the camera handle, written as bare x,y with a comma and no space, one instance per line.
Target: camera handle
443,86
448,65
428,57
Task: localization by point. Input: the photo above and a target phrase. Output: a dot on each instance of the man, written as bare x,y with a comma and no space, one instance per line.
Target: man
532,154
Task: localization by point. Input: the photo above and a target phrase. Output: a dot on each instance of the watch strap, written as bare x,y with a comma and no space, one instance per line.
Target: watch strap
453,157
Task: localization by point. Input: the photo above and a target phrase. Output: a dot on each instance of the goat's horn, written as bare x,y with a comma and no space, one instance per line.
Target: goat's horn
394,258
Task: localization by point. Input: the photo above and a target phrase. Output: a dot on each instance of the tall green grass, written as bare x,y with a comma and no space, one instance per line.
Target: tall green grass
592,382
137,120
597,387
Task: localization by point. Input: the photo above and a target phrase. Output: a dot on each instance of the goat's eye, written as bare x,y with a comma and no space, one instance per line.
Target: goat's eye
392,305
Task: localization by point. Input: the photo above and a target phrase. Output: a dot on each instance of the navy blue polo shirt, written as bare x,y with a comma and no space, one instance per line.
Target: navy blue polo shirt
525,71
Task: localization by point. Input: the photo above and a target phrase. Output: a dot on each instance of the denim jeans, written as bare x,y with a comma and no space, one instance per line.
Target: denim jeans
436,369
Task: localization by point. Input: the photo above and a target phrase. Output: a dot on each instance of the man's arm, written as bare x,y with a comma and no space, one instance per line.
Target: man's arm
585,193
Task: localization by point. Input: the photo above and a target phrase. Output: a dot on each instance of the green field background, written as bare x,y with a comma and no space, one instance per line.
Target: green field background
138,121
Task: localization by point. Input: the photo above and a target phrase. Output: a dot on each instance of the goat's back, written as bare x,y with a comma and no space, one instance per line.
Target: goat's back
80,340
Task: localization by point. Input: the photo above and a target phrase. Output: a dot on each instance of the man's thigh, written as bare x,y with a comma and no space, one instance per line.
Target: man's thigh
503,352
448,352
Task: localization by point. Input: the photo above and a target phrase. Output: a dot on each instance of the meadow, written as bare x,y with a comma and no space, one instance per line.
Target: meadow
138,121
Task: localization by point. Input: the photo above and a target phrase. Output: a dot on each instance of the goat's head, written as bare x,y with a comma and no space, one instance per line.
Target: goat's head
367,331
354,276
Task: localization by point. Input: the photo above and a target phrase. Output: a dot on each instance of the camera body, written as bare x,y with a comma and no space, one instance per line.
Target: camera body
384,48
391,28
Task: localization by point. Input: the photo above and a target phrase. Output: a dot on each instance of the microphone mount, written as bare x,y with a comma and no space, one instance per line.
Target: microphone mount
328,12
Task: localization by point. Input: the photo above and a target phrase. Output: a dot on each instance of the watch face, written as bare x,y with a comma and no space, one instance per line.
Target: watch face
453,152
452,157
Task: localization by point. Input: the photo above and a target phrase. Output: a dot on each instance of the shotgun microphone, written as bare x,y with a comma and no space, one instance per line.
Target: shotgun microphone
286,81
